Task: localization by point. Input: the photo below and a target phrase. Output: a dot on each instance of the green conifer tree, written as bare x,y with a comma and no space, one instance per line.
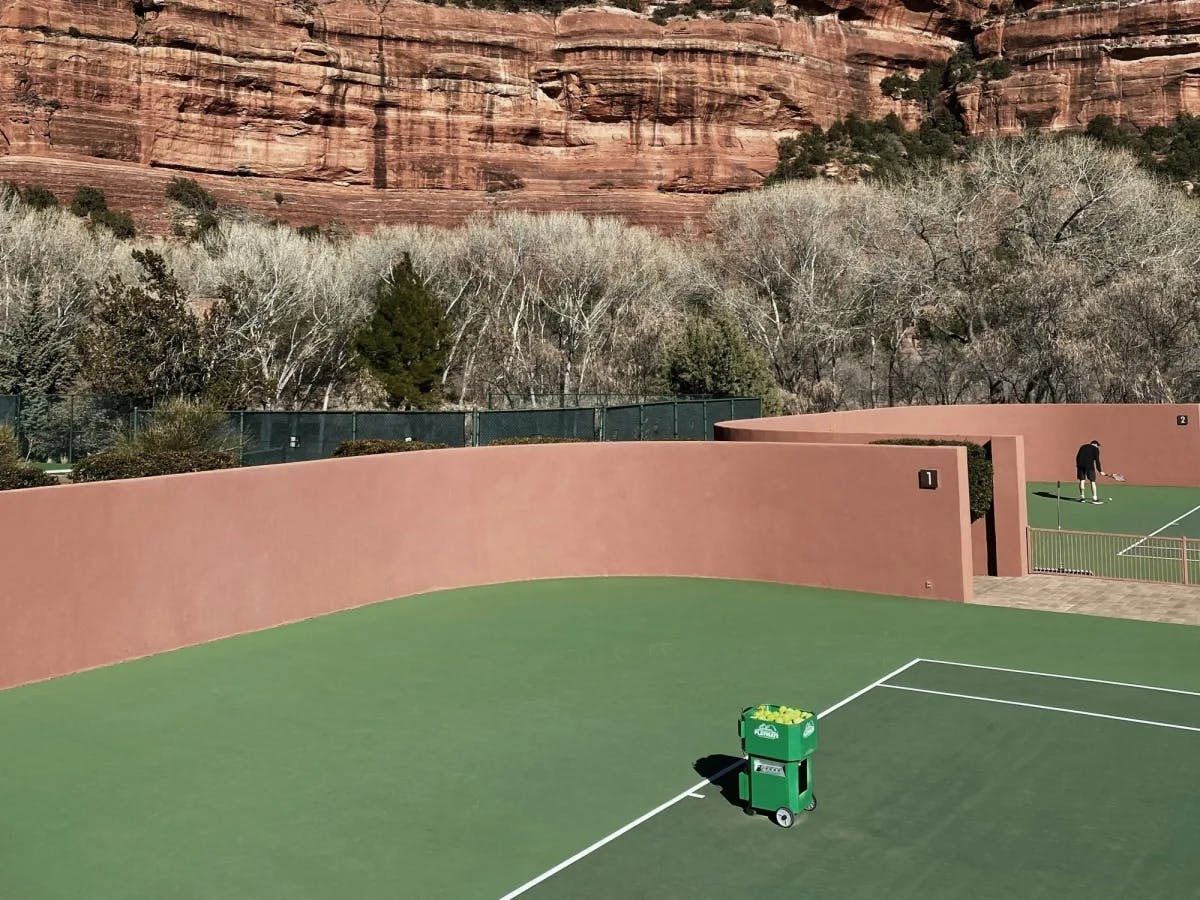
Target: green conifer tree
406,341
35,363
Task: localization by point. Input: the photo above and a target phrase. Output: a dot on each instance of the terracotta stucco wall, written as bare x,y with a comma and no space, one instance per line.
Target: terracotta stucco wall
99,573
998,545
1141,441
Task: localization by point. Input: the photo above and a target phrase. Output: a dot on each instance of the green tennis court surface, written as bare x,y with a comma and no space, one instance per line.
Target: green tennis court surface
1142,533
462,744
1127,509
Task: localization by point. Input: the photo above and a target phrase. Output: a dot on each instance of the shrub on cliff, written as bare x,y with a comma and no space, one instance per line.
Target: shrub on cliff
1171,151
190,195
881,149
121,224
36,196
88,200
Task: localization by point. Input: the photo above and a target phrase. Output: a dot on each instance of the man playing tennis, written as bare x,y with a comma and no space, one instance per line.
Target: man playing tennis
1087,464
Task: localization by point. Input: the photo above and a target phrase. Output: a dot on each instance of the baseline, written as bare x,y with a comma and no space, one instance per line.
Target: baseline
1059,709
1128,684
1159,530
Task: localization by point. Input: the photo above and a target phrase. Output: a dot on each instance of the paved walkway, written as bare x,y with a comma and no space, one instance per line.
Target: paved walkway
1094,597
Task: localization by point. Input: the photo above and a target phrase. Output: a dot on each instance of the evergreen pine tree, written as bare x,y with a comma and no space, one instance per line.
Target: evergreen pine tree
35,364
405,342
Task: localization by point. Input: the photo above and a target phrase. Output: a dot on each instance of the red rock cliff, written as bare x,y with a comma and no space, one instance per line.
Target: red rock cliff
389,110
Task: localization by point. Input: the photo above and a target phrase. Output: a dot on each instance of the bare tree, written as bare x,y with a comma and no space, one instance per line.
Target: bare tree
289,307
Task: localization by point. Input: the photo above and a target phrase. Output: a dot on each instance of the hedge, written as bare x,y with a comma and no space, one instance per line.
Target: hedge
979,469
535,439
115,464
369,446
15,477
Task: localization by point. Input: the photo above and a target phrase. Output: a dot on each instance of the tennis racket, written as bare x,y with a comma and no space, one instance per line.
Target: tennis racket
1116,477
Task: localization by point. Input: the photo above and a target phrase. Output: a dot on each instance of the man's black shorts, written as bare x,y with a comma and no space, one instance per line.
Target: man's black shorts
1081,473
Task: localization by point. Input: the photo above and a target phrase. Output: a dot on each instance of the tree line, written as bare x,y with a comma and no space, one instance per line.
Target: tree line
1038,270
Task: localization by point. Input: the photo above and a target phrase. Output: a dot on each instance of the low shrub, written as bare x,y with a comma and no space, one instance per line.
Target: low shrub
188,193
14,476
121,224
35,196
10,446
88,200
371,446
117,464
979,469
187,426
535,439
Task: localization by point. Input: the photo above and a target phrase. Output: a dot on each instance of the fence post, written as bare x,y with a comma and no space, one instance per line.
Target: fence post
241,437
354,425
1183,556
675,419
70,428
704,409
475,426
641,421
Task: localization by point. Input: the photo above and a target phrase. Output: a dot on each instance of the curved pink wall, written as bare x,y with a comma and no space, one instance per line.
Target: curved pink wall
1028,442
98,573
1140,441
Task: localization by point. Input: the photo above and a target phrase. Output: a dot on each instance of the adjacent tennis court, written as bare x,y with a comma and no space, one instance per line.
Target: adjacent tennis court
1143,533
463,744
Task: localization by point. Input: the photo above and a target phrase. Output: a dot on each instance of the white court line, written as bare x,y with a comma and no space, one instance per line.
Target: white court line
592,848
1169,557
1164,528
1061,709
1144,687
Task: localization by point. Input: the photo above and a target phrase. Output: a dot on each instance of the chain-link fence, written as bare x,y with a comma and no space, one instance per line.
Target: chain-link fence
690,420
73,427
575,422
558,399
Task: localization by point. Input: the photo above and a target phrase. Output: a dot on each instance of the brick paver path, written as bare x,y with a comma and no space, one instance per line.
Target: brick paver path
1094,597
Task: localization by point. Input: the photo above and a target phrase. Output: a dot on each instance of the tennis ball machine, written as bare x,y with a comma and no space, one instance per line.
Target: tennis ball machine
779,742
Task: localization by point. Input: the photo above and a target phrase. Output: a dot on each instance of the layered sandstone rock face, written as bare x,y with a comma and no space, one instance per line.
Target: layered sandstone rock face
1135,60
391,110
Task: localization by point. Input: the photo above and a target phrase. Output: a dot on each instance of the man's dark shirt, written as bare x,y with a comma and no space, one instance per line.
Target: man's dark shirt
1088,457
